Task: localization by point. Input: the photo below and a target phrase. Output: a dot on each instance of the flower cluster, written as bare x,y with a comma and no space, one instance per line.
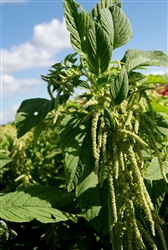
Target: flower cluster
121,149
163,90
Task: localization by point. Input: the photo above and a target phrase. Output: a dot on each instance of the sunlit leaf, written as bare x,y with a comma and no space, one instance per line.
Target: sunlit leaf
157,107
77,24
156,79
134,58
29,204
99,49
106,22
96,37
103,4
122,27
153,170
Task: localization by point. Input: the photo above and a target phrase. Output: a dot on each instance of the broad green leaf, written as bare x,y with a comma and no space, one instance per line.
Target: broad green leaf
73,144
122,27
96,38
24,206
99,49
163,131
4,159
156,190
65,202
159,79
117,29
77,24
103,4
89,198
93,202
43,192
31,112
157,107
106,22
134,58
119,87
59,199
153,171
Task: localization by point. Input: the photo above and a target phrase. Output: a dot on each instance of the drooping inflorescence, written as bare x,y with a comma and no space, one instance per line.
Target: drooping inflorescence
119,149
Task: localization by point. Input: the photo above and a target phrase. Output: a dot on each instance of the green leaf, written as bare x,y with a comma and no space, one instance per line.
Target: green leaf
153,171
119,88
77,24
93,202
163,131
88,197
96,39
4,159
73,144
161,123
106,22
59,199
157,107
30,113
111,29
159,79
99,49
156,190
114,21
102,4
122,27
29,204
134,58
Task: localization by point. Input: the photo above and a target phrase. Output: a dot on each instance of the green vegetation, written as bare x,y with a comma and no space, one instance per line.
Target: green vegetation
90,173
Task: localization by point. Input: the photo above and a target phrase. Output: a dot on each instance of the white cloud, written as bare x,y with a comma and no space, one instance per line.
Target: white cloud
12,86
157,72
53,36
40,51
24,56
8,115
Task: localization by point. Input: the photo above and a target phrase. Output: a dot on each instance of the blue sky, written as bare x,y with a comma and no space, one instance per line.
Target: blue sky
34,36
